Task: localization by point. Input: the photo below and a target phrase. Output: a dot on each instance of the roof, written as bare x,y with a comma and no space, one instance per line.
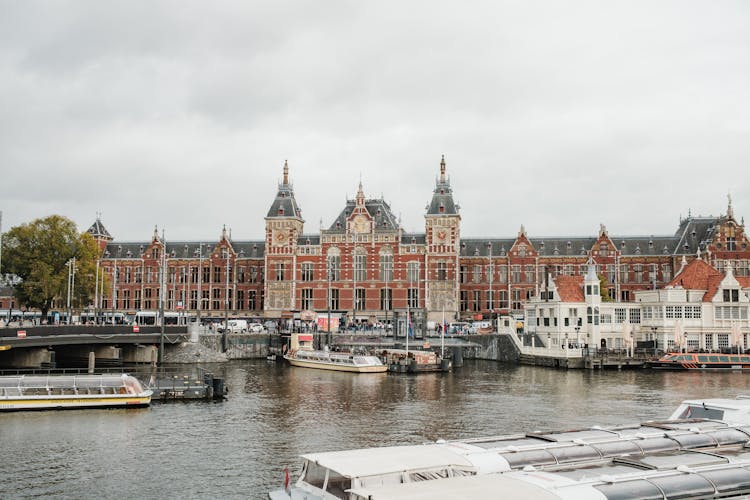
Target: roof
570,288
697,275
442,196
367,462
377,209
183,249
97,230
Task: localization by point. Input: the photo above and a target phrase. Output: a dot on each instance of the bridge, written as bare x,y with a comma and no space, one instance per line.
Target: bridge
45,346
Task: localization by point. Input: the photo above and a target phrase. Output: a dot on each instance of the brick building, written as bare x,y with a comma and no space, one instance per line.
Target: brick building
365,267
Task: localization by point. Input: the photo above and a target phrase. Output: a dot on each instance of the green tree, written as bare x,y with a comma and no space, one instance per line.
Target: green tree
604,288
39,253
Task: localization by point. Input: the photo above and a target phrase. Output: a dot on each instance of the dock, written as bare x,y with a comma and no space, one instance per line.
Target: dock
186,387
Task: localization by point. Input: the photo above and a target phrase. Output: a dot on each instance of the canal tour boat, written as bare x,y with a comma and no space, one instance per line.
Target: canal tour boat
636,452
701,361
302,354
56,392
414,361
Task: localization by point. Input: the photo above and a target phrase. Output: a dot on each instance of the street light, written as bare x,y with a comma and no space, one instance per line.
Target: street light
71,285
578,337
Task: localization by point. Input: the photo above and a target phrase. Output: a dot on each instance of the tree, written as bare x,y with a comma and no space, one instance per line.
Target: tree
604,288
39,253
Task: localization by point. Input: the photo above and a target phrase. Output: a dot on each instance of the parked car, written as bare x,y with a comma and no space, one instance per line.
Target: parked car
237,326
255,327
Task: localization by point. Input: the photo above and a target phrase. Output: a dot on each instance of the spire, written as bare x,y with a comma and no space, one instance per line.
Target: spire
442,169
156,233
286,174
360,194
224,232
730,210
522,231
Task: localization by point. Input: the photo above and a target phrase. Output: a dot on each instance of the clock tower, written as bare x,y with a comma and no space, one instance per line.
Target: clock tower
284,226
442,238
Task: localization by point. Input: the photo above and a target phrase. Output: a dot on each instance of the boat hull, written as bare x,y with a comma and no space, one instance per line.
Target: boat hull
339,367
701,362
68,402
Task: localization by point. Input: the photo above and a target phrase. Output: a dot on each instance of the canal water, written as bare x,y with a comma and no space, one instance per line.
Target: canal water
238,448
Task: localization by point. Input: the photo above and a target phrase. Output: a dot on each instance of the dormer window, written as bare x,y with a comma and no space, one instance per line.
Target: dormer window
569,245
731,295
281,210
603,249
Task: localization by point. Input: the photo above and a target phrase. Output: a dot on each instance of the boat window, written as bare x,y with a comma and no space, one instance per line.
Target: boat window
746,359
684,486
703,359
724,359
657,444
615,448
338,484
714,359
694,440
588,472
700,411
630,490
315,475
735,480
428,475
574,453
521,459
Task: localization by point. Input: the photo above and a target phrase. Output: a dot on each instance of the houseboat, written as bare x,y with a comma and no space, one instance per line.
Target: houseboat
302,354
701,361
414,361
53,392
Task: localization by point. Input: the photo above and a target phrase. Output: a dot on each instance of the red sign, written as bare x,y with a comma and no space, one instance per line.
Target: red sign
136,328
21,334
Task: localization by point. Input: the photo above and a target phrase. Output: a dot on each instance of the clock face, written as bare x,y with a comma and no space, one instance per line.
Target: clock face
441,235
279,238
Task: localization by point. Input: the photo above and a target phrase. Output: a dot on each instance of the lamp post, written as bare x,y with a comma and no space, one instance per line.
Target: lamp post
200,281
329,273
226,305
71,285
491,301
578,337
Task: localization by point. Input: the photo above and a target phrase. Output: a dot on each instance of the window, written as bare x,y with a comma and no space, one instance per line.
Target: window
194,275
490,302
413,272
502,274
620,314
137,304
386,299
516,273
516,299
464,300
251,297
477,302
529,272
307,273
170,275
635,316
240,299
280,271
464,274
442,271
307,298
413,298
360,267
334,267
624,273
359,302
477,274
240,275
206,274
253,274
217,274
502,297
194,299
731,295
386,267
333,299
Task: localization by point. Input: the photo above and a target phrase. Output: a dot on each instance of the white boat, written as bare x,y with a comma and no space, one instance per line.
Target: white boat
53,392
355,474
301,353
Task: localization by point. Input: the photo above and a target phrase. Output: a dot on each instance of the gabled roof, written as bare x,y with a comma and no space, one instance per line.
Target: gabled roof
377,209
697,275
570,288
97,230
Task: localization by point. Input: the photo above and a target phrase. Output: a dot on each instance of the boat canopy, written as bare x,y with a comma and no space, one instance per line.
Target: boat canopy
116,381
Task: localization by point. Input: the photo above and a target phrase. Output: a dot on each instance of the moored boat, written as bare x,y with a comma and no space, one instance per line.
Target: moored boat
53,392
639,453
414,361
701,361
302,354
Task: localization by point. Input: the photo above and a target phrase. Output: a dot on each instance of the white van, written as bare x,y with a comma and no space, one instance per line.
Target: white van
237,326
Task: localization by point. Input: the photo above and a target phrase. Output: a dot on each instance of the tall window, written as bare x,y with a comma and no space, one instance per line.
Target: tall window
334,267
502,274
516,273
502,298
240,299
516,299
477,274
307,298
529,272
307,272
194,275
333,299
413,298
386,299
280,271
477,302
386,267
359,302
490,302
206,274
413,272
217,274
464,300
360,266
464,274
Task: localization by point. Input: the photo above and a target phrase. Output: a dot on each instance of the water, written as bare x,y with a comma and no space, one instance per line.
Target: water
238,448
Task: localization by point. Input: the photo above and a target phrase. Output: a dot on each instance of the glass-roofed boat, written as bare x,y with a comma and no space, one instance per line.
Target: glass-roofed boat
50,392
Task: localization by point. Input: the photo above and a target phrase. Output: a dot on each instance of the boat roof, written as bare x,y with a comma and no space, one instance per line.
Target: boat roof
458,488
107,380
371,461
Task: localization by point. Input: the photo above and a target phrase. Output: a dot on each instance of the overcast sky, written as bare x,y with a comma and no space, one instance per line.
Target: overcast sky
556,115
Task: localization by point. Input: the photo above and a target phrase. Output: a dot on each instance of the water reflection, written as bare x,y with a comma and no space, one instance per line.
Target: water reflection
238,448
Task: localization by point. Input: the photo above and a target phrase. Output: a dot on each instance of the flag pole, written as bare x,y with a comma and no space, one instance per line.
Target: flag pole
442,336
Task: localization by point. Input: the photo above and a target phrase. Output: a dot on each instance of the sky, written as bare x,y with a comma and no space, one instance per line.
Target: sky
560,116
